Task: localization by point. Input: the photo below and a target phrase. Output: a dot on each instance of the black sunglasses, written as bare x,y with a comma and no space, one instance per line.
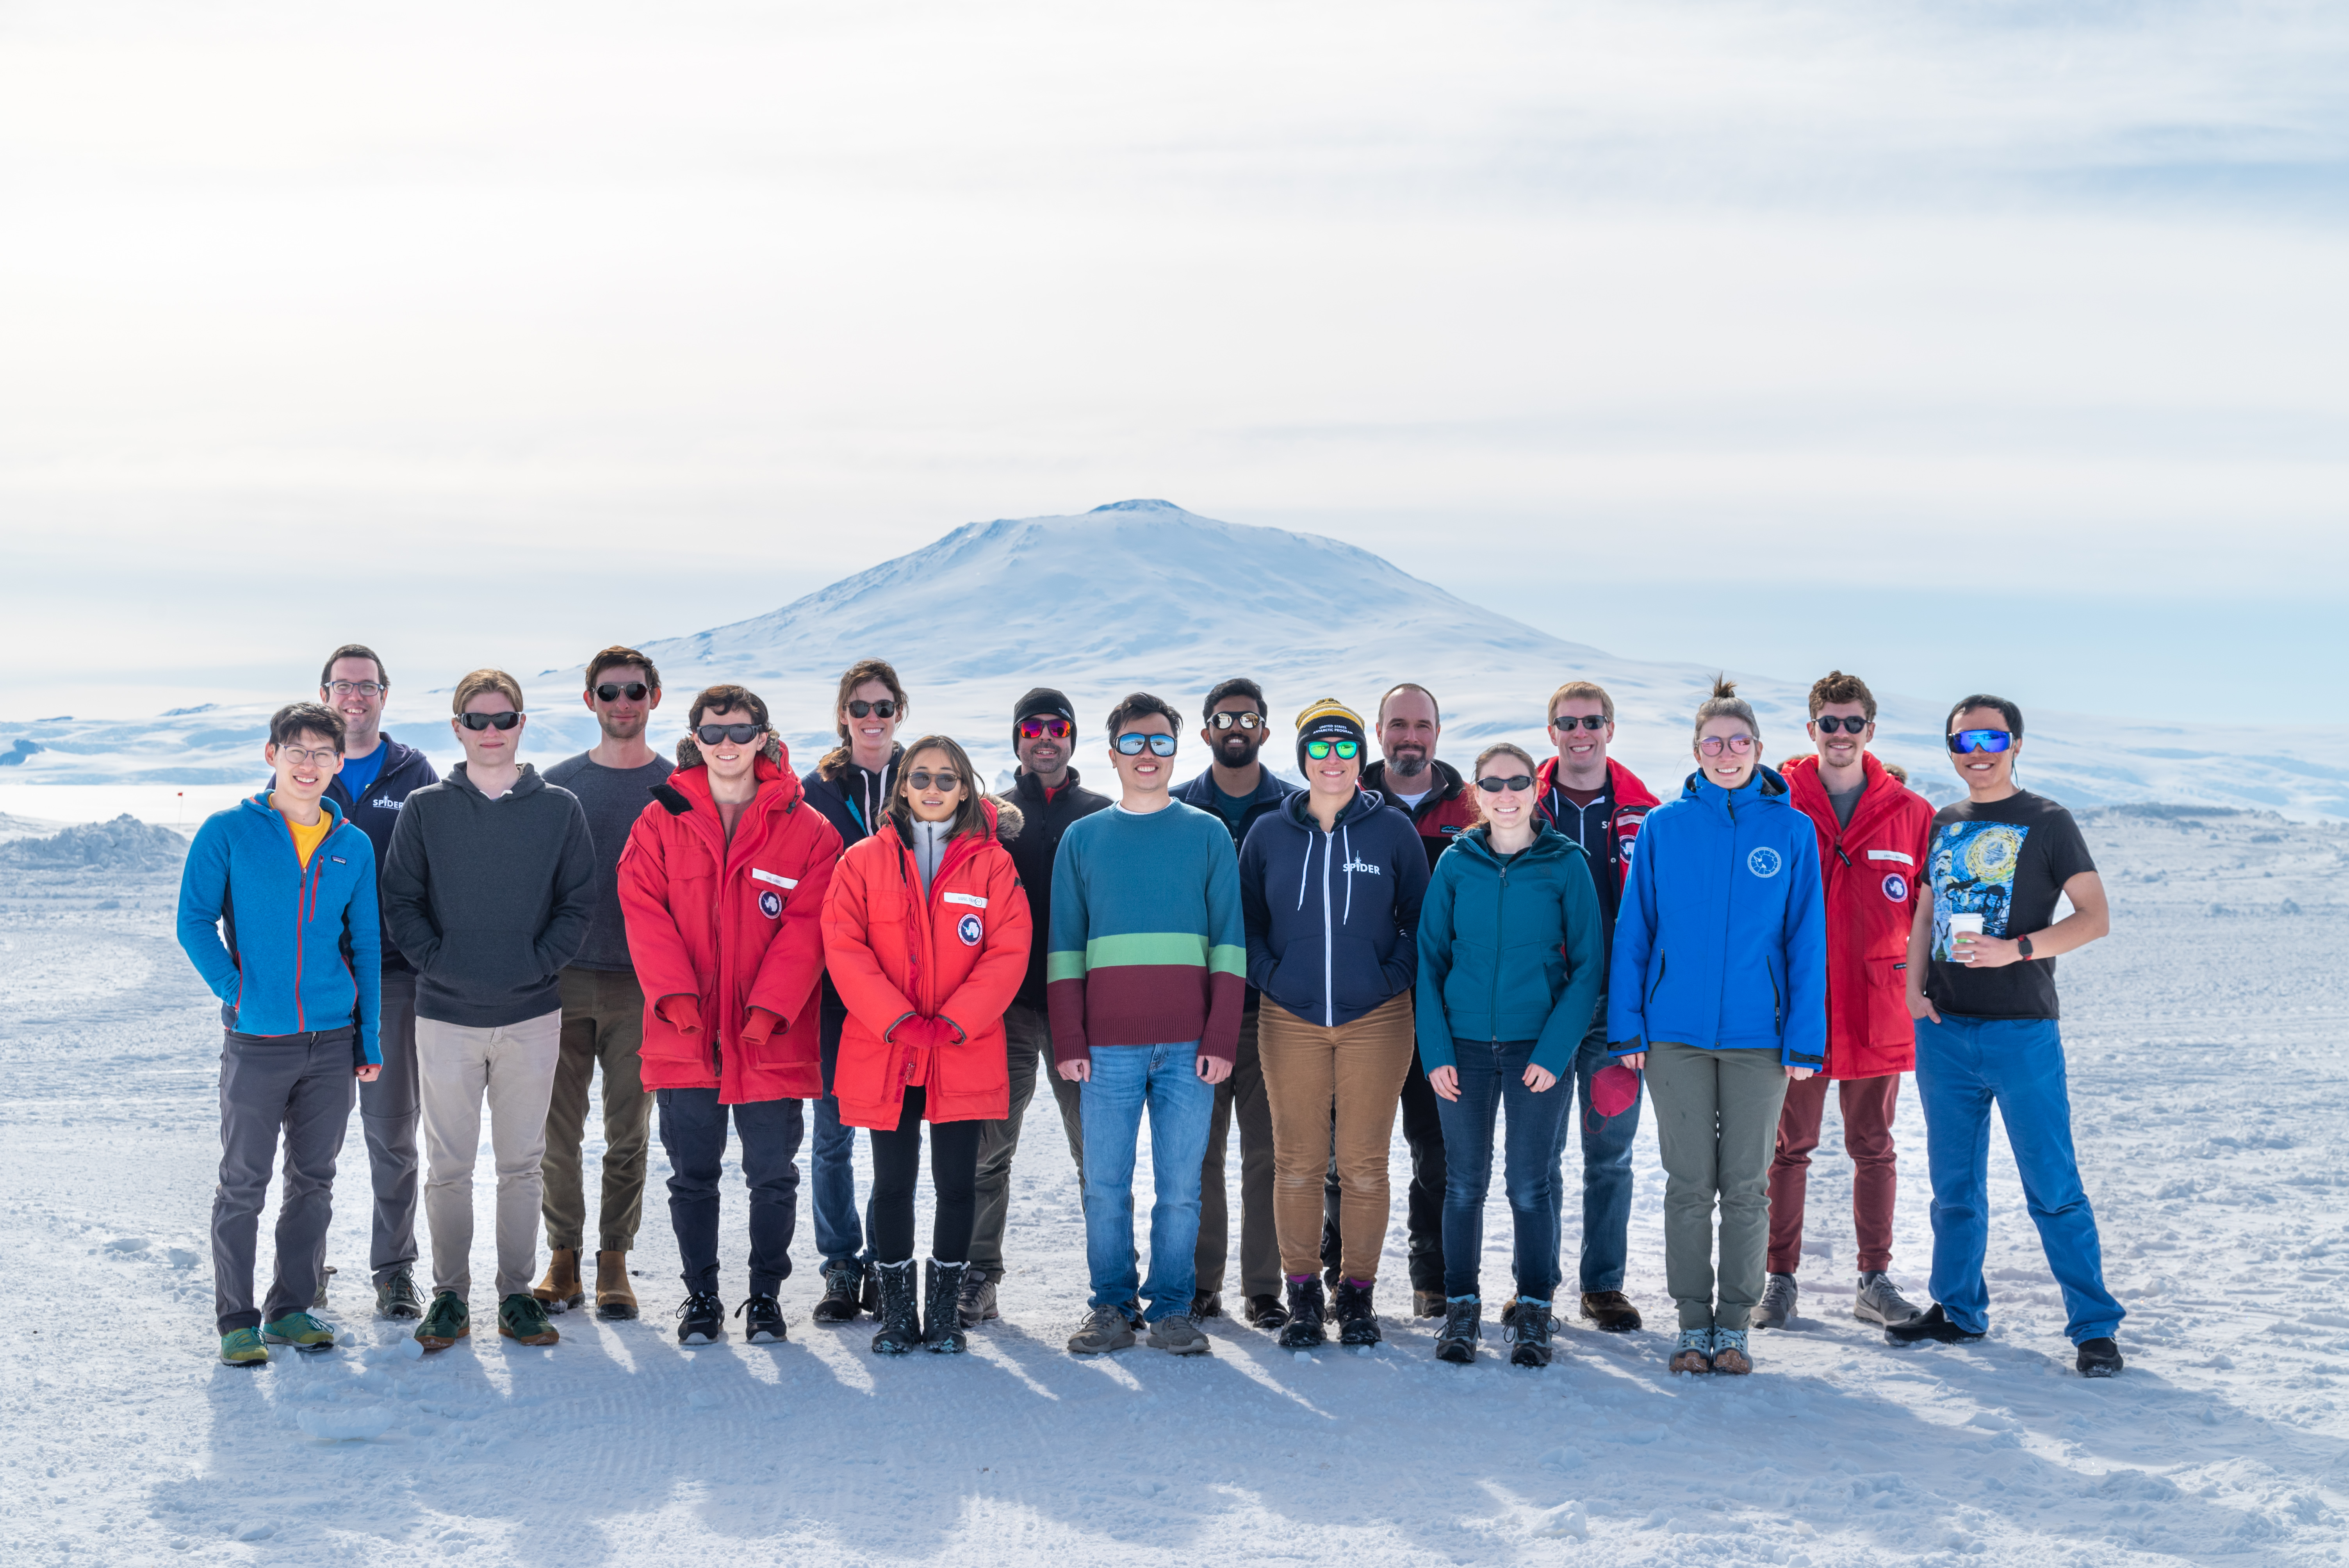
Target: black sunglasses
1131,743
1495,784
1829,724
1587,721
945,781
612,691
1243,720
505,720
740,734
885,708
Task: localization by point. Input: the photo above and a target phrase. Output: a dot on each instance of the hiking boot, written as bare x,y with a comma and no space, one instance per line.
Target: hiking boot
560,1291
1207,1304
900,1315
844,1286
522,1318
1265,1312
396,1297
1358,1324
700,1319
1426,1302
2099,1358
1879,1300
326,1278
1693,1352
1308,1317
446,1321
1777,1305
1612,1310
762,1321
870,1297
1730,1352
1529,1334
1933,1324
301,1331
942,1308
615,1298
1105,1329
1177,1334
1461,1332
243,1347
975,1302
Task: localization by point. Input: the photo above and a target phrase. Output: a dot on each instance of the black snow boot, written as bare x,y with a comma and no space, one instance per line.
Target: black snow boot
1530,1332
1304,1329
1357,1323
2098,1357
901,1319
840,1286
1456,1341
941,1309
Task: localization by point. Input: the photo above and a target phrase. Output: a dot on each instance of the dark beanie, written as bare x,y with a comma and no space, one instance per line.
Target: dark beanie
1046,701
1329,720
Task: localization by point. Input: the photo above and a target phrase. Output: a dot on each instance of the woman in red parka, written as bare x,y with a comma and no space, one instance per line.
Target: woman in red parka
722,885
925,934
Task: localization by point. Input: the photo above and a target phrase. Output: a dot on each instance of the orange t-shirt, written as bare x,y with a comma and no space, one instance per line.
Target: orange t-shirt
307,839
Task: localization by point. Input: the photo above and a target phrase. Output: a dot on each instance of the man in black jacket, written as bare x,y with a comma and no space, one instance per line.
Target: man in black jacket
1044,737
1239,789
378,775
489,890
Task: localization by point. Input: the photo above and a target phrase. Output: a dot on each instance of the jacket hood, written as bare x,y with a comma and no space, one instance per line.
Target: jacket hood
1768,780
529,783
259,802
688,788
832,765
1294,808
1004,820
1448,782
1626,785
689,752
1802,776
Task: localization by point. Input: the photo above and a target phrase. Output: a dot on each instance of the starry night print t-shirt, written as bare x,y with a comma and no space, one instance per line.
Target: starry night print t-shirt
2006,861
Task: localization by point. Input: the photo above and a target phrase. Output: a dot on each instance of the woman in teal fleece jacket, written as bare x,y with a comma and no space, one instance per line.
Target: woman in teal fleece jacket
1719,990
1509,973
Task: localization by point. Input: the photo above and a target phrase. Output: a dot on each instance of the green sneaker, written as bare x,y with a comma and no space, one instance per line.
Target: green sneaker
243,1349
521,1316
301,1331
446,1321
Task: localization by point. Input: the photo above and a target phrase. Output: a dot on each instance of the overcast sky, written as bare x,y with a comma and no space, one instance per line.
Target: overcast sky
1965,343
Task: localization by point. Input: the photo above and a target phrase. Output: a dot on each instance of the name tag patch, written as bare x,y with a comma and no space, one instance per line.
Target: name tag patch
972,899
786,884
1890,855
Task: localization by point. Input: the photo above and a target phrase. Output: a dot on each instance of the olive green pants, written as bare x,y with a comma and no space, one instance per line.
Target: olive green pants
1717,1128
602,1021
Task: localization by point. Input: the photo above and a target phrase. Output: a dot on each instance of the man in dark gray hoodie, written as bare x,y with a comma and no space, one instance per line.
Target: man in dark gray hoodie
490,890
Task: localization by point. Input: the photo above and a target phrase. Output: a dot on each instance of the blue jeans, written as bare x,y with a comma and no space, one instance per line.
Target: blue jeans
1493,1076
831,1159
693,1135
1606,1168
1127,1079
1964,1065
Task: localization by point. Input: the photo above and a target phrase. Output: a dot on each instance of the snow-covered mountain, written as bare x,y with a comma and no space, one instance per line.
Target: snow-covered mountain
1142,593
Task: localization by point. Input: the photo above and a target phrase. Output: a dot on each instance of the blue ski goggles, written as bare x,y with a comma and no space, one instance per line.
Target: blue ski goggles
1967,741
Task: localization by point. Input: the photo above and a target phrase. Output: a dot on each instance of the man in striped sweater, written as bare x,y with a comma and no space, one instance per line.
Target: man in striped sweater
1145,977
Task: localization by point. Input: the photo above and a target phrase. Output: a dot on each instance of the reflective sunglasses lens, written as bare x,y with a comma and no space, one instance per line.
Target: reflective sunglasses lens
1037,728
1967,741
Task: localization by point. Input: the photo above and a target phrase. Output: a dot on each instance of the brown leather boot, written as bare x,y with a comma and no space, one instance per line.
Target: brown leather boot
614,1296
560,1291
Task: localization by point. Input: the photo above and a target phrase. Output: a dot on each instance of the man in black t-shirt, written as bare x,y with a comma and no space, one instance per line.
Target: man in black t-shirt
1981,986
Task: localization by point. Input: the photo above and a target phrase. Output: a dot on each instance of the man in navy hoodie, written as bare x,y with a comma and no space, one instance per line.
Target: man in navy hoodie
377,777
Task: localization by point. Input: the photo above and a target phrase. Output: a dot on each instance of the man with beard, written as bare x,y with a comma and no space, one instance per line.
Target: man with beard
603,1006
1436,798
1239,789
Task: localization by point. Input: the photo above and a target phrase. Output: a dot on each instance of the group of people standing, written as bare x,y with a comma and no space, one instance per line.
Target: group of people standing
1494,957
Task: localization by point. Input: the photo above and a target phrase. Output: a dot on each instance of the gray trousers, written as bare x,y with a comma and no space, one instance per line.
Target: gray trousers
1241,1095
457,1067
1717,1128
1028,1044
299,1085
602,1021
387,1116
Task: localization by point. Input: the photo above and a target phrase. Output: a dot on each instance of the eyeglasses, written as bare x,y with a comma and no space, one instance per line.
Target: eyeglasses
1496,784
345,688
883,709
299,756
740,734
944,783
477,721
1737,744
1587,721
1038,728
1967,741
612,691
1131,743
1347,750
1829,724
1239,720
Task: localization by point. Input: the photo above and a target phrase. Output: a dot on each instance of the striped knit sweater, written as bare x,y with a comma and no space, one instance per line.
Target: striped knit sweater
1147,942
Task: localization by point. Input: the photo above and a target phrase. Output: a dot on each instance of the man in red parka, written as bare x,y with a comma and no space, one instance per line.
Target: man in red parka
1872,832
723,884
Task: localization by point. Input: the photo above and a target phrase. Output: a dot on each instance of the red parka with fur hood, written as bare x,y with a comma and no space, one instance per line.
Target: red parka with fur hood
736,927
927,976
1872,868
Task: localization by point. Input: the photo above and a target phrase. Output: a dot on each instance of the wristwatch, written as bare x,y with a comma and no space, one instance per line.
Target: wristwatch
2023,945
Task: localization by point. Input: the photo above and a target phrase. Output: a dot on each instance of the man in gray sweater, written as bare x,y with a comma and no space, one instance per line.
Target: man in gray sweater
490,890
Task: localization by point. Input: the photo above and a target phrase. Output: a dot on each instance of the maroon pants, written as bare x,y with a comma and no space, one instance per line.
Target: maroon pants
1866,1137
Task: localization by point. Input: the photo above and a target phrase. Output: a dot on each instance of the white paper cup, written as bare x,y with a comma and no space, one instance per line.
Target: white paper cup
1962,927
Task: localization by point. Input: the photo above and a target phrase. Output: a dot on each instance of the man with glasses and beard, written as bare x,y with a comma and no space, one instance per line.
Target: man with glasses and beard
603,1006
1239,789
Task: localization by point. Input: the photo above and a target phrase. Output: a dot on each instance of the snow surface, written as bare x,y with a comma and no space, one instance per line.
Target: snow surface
1144,594
2208,1078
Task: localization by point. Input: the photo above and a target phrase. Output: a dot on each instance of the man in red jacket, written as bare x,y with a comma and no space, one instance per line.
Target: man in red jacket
1872,835
722,885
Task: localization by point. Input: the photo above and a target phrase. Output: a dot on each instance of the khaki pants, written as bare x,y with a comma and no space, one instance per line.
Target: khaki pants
1717,1128
512,1067
602,1021
1357,1068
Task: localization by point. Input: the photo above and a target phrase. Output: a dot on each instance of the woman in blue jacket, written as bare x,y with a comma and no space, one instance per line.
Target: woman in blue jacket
1509,974
1330,884
1719,992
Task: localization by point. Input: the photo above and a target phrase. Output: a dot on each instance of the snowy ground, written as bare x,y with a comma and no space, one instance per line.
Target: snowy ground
2209,1083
